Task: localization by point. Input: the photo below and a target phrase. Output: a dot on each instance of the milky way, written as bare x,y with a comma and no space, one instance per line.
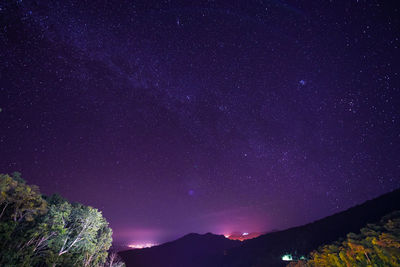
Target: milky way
217,116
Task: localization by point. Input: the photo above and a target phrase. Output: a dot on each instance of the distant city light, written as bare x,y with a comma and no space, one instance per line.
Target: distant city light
245,234
140,246
227,236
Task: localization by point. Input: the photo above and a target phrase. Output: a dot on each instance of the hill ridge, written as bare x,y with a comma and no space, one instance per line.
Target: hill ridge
199,250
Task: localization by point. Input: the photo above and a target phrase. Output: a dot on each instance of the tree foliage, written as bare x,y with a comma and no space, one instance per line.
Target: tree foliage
49,231
375,245
18,200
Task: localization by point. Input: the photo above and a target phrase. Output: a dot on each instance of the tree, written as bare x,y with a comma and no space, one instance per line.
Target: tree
49,231
20,204
376,245
23,200
82,236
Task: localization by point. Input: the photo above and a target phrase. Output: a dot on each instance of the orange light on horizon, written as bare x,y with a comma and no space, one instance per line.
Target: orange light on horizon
241,236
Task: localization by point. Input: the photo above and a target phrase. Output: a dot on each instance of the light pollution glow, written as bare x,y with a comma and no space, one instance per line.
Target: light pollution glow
229,235
241,236
142,245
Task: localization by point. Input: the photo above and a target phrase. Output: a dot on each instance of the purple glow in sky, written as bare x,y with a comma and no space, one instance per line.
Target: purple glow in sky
213,116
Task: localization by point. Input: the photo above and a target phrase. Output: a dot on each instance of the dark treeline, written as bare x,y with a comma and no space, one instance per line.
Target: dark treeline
38,230
269,249
376,245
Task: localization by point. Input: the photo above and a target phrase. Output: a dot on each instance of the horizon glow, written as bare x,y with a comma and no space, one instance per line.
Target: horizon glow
142,245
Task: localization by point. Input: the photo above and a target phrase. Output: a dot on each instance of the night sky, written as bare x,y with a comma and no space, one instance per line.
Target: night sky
202,116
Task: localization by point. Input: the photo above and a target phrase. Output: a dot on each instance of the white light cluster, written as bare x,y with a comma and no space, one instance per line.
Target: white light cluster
140,246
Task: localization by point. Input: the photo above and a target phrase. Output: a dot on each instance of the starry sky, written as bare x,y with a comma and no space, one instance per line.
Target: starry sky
202,116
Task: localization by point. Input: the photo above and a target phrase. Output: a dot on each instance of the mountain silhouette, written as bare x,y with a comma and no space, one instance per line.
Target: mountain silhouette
210,250
191,250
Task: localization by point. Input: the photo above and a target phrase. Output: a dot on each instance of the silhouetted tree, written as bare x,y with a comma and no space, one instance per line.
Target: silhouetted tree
49,231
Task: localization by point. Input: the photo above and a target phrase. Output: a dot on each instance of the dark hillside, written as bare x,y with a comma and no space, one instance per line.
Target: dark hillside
190,250
210,250
267,249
